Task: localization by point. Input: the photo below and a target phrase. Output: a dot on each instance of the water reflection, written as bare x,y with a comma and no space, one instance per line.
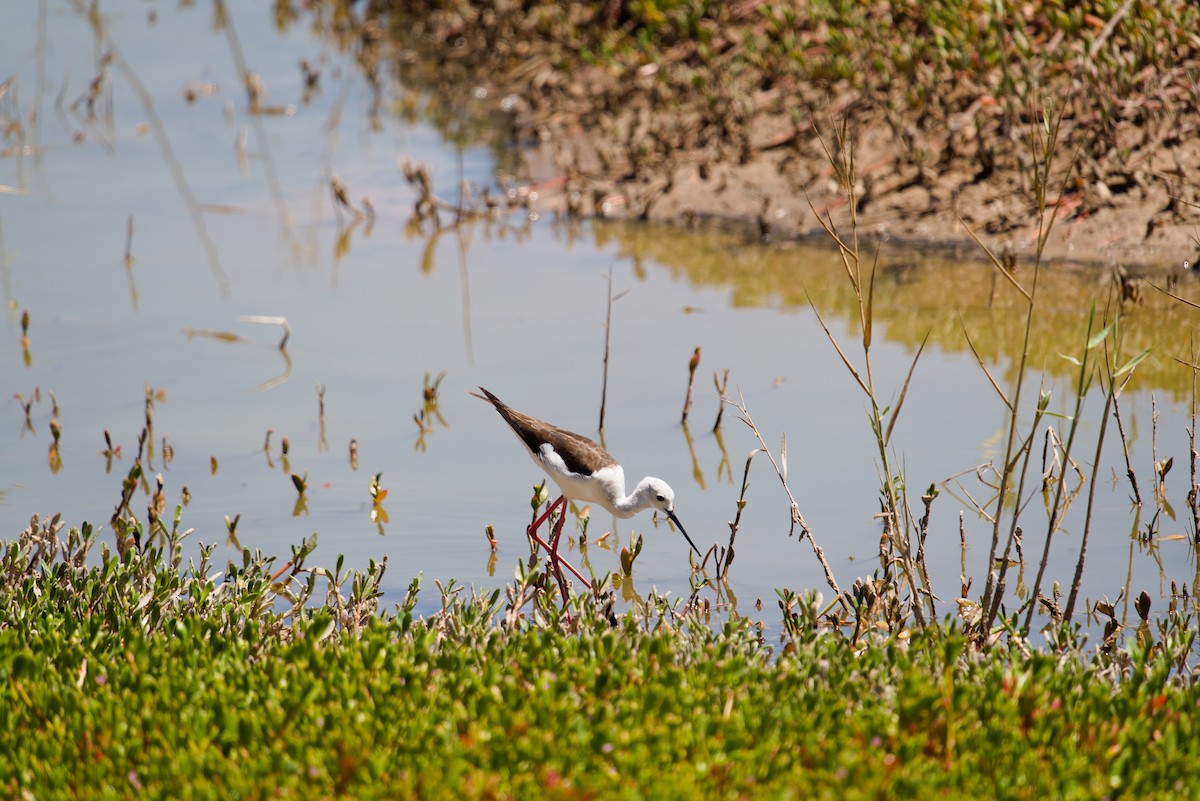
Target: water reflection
938,296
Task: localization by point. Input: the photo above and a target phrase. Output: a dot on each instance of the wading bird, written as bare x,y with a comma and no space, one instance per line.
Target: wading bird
583,471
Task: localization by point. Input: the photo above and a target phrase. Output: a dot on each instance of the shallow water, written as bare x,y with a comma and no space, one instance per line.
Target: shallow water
232,216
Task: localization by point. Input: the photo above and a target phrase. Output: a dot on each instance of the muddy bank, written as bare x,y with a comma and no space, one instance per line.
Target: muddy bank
731,112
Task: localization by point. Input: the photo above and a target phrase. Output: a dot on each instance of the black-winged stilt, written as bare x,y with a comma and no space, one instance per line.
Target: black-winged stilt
583,471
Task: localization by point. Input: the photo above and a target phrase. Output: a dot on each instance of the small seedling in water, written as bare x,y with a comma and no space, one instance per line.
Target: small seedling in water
354,455
109,451
378,514
300,482
56,432
1143,605
629,554
429,410
1161,469
378,493
693,363
231,527
25,338
213,464
431,388
489,531
27,408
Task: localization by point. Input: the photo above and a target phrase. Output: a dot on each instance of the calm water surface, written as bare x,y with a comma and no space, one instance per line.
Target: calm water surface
232,216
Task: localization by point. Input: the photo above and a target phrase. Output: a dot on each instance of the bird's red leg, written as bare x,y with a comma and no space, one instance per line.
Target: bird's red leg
552,546
536,524
556,561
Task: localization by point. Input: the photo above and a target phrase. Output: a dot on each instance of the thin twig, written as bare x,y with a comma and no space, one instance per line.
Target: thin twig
1087,517
796,517
721,384
1058,508
1194,491
1116,407
723,564
607,344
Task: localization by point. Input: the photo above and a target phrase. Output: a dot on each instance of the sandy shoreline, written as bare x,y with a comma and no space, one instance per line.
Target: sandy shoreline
780,188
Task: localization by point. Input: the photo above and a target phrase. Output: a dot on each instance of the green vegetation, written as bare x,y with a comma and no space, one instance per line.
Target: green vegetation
127,674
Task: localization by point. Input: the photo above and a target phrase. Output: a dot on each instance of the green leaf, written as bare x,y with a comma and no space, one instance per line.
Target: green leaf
1100,336
1132,363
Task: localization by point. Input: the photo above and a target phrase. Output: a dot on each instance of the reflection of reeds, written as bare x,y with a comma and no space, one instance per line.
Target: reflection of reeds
929,293
131,77
232,338
254,97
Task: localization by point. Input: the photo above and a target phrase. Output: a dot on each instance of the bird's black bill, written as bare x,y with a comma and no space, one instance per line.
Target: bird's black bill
679,526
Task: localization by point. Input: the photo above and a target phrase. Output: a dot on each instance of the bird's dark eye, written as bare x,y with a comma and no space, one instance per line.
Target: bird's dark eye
661,498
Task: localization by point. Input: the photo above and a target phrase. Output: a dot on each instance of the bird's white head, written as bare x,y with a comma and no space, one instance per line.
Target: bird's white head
658,495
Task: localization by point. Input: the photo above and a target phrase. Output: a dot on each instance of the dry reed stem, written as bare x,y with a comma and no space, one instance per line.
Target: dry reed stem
796,517
734,525
1193,495
994,590
722,384
1137,494
1087,519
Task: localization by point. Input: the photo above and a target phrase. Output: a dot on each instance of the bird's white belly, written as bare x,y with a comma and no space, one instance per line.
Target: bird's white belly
603,487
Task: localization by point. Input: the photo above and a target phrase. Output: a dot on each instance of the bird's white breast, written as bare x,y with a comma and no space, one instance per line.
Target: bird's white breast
605,487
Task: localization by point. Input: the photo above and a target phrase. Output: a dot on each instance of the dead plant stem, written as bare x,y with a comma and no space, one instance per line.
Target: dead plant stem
1109,400
1137,495
796,517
